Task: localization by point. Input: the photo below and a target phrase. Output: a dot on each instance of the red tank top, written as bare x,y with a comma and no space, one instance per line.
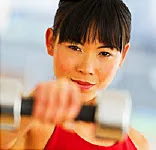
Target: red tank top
65,140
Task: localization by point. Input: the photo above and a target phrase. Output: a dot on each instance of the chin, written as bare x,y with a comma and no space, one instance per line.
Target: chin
88,96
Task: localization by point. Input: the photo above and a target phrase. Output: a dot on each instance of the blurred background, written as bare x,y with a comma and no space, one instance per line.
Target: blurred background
23,54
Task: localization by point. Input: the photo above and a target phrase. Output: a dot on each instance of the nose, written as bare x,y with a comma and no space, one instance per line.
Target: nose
87,66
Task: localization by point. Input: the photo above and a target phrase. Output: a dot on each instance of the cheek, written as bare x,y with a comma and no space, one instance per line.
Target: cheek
63,64
107,74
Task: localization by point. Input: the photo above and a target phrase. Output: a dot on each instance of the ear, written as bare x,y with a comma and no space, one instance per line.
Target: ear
49,41
124,53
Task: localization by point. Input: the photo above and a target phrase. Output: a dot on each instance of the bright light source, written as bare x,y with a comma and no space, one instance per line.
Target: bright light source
4,14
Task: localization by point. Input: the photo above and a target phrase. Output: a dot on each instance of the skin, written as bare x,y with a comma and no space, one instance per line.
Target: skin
95,63
59,101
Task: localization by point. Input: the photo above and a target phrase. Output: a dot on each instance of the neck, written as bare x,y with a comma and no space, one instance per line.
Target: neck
91,102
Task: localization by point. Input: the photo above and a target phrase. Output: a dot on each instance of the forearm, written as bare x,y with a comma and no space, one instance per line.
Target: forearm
31,135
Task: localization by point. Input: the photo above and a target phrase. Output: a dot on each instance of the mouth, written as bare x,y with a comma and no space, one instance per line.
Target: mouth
83,85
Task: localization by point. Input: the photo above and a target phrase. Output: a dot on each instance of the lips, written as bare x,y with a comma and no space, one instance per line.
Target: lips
83,85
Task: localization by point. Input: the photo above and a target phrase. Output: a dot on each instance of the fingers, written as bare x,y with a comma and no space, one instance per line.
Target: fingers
63,99
52,103
57,101
75,102
40,100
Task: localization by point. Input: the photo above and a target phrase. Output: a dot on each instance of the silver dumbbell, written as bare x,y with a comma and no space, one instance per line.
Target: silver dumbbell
111,114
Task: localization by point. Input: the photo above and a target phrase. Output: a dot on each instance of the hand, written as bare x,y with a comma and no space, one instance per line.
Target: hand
57,101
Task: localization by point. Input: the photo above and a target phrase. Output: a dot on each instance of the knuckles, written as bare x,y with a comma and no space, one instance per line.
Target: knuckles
42,94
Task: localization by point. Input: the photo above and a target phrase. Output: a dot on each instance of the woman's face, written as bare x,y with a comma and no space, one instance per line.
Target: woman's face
91,66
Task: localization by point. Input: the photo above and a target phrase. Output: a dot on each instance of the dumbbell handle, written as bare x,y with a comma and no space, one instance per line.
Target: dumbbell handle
87,112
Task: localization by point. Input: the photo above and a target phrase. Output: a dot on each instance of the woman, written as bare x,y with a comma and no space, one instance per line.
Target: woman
89,42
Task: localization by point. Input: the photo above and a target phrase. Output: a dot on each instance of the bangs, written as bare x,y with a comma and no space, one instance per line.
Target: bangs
89,21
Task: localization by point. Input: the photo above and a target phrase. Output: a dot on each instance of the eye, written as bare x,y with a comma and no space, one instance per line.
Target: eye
105,54
75,48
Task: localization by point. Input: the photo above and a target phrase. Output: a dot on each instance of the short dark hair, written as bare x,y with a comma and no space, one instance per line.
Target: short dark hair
109,21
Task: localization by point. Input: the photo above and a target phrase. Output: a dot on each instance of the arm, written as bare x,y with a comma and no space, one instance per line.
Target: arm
32,134
9,137
139,140
36,137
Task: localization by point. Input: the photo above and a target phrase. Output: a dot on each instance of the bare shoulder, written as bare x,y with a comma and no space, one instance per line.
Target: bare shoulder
139,139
